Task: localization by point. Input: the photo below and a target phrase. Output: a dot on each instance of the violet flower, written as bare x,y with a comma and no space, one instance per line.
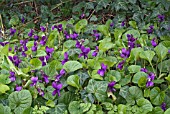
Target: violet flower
45,78
169,51
65,58
96,34
163,106
34,81
18,88
40,91
131,41
53,27
120,65
62,72
111,85
123,23
12,31
144,70
150,30
74,35
42,28
67,36
153,42
78,44
103,69
43,40
23,54
111,24
85,52
60,27
161,17
49,50
57,88
94,54
12,76
15,59
23,20
4,43
36,37
43,60
34,48
150,78
10,49
82,16
125,53
31,33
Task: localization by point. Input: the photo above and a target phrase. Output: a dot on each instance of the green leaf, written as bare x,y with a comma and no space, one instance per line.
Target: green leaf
124,91
20,101
67,97
121,109
164,66
85,106
142,82
114,73
133,24
3,88
48,95
103,29
147,55
118,33
145,105
80,25
98,88
4,50
157,96
157,110
137,76
161,51
134,68
5,109
36,63
40,53
167,111
74,108
60,108
14,20
50,103
73,80
125,80
134,54
69,44
107,105
72,66
105,46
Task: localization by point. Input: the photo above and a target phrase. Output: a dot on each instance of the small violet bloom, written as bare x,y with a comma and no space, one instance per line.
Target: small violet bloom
62,72
82,16
31,33
60,27
111,24
125,53
42,28
40,91
12,76
57,88
45,78
150,30
96,34
43,60
144,70
153,42
34,48
34,81
65,58
18,88
150,77
94,54
123,23
169,51
49,50
36,37
12,31
43,40
111,85
161,17
131,41
103,69
23,20
67,36
120,65
163,106
85,52
74,35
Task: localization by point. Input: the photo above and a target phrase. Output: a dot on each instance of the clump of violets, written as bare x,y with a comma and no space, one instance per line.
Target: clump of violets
30,33
57,86
103,69
153,42
12,31
18,88
150,30
111,85
120,65
96,51
15,60
12,76
34,81
42,28
125,53
58,27
84,52
96,34
161,17
163,106
131,41
150,78
144,70
65,58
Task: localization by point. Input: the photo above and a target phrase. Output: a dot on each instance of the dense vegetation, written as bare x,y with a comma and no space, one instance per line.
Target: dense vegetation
85,57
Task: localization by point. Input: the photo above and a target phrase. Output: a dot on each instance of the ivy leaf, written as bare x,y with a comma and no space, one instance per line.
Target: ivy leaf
145,105
20,101
98,88
73,80
157,96
72,66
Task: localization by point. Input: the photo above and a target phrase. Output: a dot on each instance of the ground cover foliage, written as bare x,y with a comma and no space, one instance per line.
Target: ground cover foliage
85,57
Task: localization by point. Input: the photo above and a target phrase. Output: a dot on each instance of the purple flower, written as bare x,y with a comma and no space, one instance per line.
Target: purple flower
78,44
40,91
24,54
150,30
120,65
103,69
150,78
53,27
144,70
82,16
111,85
23,20
169,51
85,52
45,77
153,42
15,59
74,35
12,76
94,54
34,48
49,50
12,31
57,88
43,60
65,58
161,17
131,41
125,53
60,27
67,36
123,23
96,34
36,37
9,49
43,40
4,43
31,33
111,24
42,28
34,81
62,72
163,106
18,88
